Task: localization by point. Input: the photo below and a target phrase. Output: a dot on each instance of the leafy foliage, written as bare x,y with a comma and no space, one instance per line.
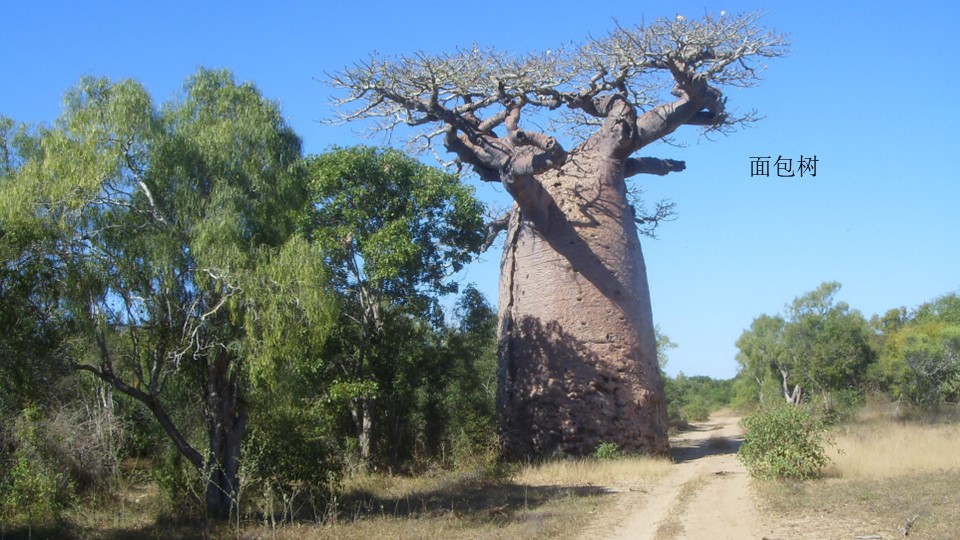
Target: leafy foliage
607,451
819,346
170,233
390,223
920,353
783,442
392,231
34,488
693,398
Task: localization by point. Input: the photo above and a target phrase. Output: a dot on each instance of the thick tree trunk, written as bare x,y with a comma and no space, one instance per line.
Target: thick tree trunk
578,363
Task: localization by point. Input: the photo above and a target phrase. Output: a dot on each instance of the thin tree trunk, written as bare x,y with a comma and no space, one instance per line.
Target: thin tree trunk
360,412
225,424
792,396
578,363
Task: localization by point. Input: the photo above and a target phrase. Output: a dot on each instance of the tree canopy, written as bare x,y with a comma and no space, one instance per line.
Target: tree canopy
393,232
644,80
919,353
173,234
821,345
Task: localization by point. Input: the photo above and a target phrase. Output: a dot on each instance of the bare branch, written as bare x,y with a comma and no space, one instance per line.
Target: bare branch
475,90
153,403
648,222
649,165
493,229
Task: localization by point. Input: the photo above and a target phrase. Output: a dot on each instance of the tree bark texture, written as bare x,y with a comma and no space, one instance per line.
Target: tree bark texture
578,363
225,426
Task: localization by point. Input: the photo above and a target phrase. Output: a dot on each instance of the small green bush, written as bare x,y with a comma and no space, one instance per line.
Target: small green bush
696,410
181,485
783,442
35,489
607,451
838,405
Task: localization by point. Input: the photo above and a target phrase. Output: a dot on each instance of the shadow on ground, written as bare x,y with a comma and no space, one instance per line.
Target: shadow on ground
689,450
468,498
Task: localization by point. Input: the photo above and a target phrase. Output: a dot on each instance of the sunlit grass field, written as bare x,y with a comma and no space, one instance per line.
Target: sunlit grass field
888,477
890,449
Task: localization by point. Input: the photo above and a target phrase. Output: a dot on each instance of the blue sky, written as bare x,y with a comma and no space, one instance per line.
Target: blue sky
868,88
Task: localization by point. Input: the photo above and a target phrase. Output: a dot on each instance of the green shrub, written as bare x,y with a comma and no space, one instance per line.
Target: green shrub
607,451
34,488
783,442
181,485
696,410
290,464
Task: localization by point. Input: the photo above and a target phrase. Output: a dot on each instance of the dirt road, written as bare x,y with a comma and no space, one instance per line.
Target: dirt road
706,495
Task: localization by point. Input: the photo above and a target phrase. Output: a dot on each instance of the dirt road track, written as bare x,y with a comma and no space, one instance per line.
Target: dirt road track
706,496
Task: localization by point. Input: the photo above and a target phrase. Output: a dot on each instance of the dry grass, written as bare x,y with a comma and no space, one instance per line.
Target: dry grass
624,472
553,519
887,449
840,508
887,473
533,501
538,501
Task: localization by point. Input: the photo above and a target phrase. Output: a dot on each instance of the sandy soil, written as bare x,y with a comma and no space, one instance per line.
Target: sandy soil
707,495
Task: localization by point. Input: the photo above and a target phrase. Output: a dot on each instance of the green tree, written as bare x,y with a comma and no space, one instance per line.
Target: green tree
693,398
821,345
174,231
30,359
664,344
760,353
393,232
920,356
827,345
469,396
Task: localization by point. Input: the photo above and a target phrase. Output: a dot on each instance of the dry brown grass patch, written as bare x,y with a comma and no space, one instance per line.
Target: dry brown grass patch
850,508
886,474
539,501
617,473
887,449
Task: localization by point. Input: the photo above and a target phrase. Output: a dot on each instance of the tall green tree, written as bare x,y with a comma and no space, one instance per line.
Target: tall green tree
393,231
173,231
30,359
827,344
468,404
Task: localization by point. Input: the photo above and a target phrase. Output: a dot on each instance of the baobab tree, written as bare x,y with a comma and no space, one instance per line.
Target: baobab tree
578,363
